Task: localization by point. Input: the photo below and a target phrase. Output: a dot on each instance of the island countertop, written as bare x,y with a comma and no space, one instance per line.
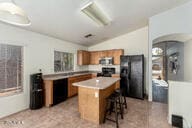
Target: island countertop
97,83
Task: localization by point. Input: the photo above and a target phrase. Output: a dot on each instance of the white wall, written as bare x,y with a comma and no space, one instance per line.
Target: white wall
177,20
133,43
180,101
38,54
188,61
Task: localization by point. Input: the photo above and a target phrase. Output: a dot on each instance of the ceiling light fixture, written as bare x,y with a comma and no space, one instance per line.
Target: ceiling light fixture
13,14
96,14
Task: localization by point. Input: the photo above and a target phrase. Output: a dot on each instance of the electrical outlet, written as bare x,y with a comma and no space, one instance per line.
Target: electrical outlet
96,94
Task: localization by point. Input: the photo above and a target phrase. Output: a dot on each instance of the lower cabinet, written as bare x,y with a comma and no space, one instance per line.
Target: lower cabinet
72,90
117,83
55,91
94,75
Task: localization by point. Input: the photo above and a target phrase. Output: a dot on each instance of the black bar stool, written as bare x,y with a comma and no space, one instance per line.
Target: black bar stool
123,97
114,105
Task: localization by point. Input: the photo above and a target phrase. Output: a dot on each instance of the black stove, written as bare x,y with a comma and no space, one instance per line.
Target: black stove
106,72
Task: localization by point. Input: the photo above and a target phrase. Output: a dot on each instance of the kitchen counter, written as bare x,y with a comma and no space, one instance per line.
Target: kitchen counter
57,77
71,74
92,97
72,77
51,82
97,83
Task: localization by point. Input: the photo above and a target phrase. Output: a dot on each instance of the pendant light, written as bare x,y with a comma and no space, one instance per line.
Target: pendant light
13,14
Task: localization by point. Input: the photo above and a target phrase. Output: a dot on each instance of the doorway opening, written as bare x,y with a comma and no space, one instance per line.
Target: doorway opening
167,59
168,53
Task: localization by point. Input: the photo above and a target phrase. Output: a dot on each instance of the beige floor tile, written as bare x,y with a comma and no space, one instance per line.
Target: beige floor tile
140,114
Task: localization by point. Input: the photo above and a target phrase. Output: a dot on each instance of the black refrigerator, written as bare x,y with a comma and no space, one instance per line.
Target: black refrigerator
132,76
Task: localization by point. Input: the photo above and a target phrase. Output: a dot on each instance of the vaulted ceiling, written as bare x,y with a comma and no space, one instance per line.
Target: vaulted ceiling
62,18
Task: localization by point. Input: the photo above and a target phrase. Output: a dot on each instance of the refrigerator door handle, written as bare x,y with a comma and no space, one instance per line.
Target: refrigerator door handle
129,76
39,90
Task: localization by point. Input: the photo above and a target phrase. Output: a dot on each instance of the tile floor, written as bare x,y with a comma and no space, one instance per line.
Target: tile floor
140,114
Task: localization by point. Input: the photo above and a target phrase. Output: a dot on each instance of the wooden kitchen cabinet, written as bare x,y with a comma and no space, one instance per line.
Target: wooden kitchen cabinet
83,57
110,53
70,91
55,91
73,90
94,57
48,92
103,54
116,54
94,75
116,75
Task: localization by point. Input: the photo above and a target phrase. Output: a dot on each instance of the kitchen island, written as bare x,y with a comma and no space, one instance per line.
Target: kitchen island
92,96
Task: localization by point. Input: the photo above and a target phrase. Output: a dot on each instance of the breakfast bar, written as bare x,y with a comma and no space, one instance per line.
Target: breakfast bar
92,96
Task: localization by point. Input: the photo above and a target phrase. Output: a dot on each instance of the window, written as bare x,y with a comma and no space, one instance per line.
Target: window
63,61
157,51
11,68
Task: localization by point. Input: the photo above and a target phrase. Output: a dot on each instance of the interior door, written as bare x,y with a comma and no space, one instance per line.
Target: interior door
136,85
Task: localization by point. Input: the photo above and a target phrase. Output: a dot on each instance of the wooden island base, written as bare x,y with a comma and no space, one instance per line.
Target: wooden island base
92,102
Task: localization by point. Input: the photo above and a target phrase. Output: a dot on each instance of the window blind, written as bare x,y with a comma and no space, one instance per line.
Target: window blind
63,61
11,68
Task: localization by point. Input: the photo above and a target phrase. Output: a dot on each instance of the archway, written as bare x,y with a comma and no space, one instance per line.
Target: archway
172,61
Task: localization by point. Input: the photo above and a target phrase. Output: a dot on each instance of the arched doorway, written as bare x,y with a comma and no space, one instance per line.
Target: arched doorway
167,63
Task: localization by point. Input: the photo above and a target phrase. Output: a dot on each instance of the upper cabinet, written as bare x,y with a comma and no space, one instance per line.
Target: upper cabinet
92,57
110,53
116,54
83,57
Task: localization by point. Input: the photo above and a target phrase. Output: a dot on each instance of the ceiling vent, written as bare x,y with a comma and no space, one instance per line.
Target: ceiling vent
88,35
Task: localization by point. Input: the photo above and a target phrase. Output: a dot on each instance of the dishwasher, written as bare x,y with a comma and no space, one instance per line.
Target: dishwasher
60,90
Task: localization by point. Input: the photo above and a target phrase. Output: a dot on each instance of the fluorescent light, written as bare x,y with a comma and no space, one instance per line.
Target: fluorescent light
12,14
96,14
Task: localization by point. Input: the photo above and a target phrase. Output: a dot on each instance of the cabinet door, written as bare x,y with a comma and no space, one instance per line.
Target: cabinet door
117,54
72,90
94,75
116,75
80,57
86,77
103,54
109,53
86,58
83,57
94,58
